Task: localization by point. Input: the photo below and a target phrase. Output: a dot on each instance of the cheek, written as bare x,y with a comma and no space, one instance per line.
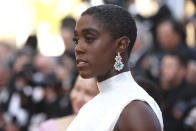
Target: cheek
73,96
101,66
100,55
87,98
169,73
103,60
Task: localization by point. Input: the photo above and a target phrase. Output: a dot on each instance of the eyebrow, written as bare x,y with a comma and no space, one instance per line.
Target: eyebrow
88,30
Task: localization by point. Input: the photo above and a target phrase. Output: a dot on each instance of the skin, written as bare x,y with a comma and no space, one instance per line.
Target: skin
172,72
137,116
83,91
167,37
191,72
95,46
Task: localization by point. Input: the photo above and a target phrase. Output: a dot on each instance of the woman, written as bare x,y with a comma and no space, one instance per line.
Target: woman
104,37
82,92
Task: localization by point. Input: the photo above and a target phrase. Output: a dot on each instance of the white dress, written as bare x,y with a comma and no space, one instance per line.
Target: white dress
103,111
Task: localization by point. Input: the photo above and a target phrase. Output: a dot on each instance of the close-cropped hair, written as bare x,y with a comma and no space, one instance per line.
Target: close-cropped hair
68,22
117,20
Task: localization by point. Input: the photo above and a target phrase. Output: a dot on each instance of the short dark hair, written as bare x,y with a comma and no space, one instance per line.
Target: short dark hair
68,22
114,2
117,20
181,55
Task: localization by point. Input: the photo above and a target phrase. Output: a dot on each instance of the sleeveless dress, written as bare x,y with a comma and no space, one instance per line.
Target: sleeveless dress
103,111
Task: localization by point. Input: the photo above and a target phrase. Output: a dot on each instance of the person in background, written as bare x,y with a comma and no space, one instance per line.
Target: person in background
191,73
67,28
173,70
31,45
68,58
83,91
170,36
6,52
150,87
176,92
5,91
44,64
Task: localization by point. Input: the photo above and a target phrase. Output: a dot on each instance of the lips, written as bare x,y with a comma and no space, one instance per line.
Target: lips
81,63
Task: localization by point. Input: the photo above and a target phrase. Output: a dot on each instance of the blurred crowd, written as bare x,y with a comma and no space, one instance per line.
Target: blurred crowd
35,88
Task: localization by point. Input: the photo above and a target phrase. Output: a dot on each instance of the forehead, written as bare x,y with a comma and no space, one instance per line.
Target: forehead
170,59
166,25
87,21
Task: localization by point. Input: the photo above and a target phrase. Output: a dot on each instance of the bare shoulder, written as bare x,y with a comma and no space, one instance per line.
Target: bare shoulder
138,116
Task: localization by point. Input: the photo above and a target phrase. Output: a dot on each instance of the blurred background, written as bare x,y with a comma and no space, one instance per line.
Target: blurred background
37,64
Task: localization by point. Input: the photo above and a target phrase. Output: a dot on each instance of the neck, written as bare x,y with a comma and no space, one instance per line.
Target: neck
111,74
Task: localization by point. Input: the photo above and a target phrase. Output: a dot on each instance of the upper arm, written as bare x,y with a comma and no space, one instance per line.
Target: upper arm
138,116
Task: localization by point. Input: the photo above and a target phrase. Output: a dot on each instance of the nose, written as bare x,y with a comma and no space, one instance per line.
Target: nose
79,48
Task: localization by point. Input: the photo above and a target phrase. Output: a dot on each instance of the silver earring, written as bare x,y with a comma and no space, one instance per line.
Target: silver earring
118,63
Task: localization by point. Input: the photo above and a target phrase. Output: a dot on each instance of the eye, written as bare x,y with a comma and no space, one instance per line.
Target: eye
89,39
75,40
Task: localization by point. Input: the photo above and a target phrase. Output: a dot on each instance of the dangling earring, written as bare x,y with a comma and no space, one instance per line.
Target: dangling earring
118,63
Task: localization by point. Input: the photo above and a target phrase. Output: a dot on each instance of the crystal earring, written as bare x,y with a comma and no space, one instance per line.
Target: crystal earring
118,63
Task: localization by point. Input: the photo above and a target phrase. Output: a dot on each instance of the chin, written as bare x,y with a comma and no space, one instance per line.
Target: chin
76,111
85,74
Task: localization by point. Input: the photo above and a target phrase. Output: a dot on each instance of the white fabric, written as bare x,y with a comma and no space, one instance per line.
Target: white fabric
102,112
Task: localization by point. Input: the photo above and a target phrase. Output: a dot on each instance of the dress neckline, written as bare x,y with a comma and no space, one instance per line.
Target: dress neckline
107,84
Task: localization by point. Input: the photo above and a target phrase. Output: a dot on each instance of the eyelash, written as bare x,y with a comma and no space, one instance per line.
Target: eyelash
89,39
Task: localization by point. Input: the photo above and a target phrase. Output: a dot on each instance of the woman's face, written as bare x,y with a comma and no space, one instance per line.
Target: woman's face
95,48
83,91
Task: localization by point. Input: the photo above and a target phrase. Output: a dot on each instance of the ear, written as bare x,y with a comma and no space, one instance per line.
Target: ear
122,44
